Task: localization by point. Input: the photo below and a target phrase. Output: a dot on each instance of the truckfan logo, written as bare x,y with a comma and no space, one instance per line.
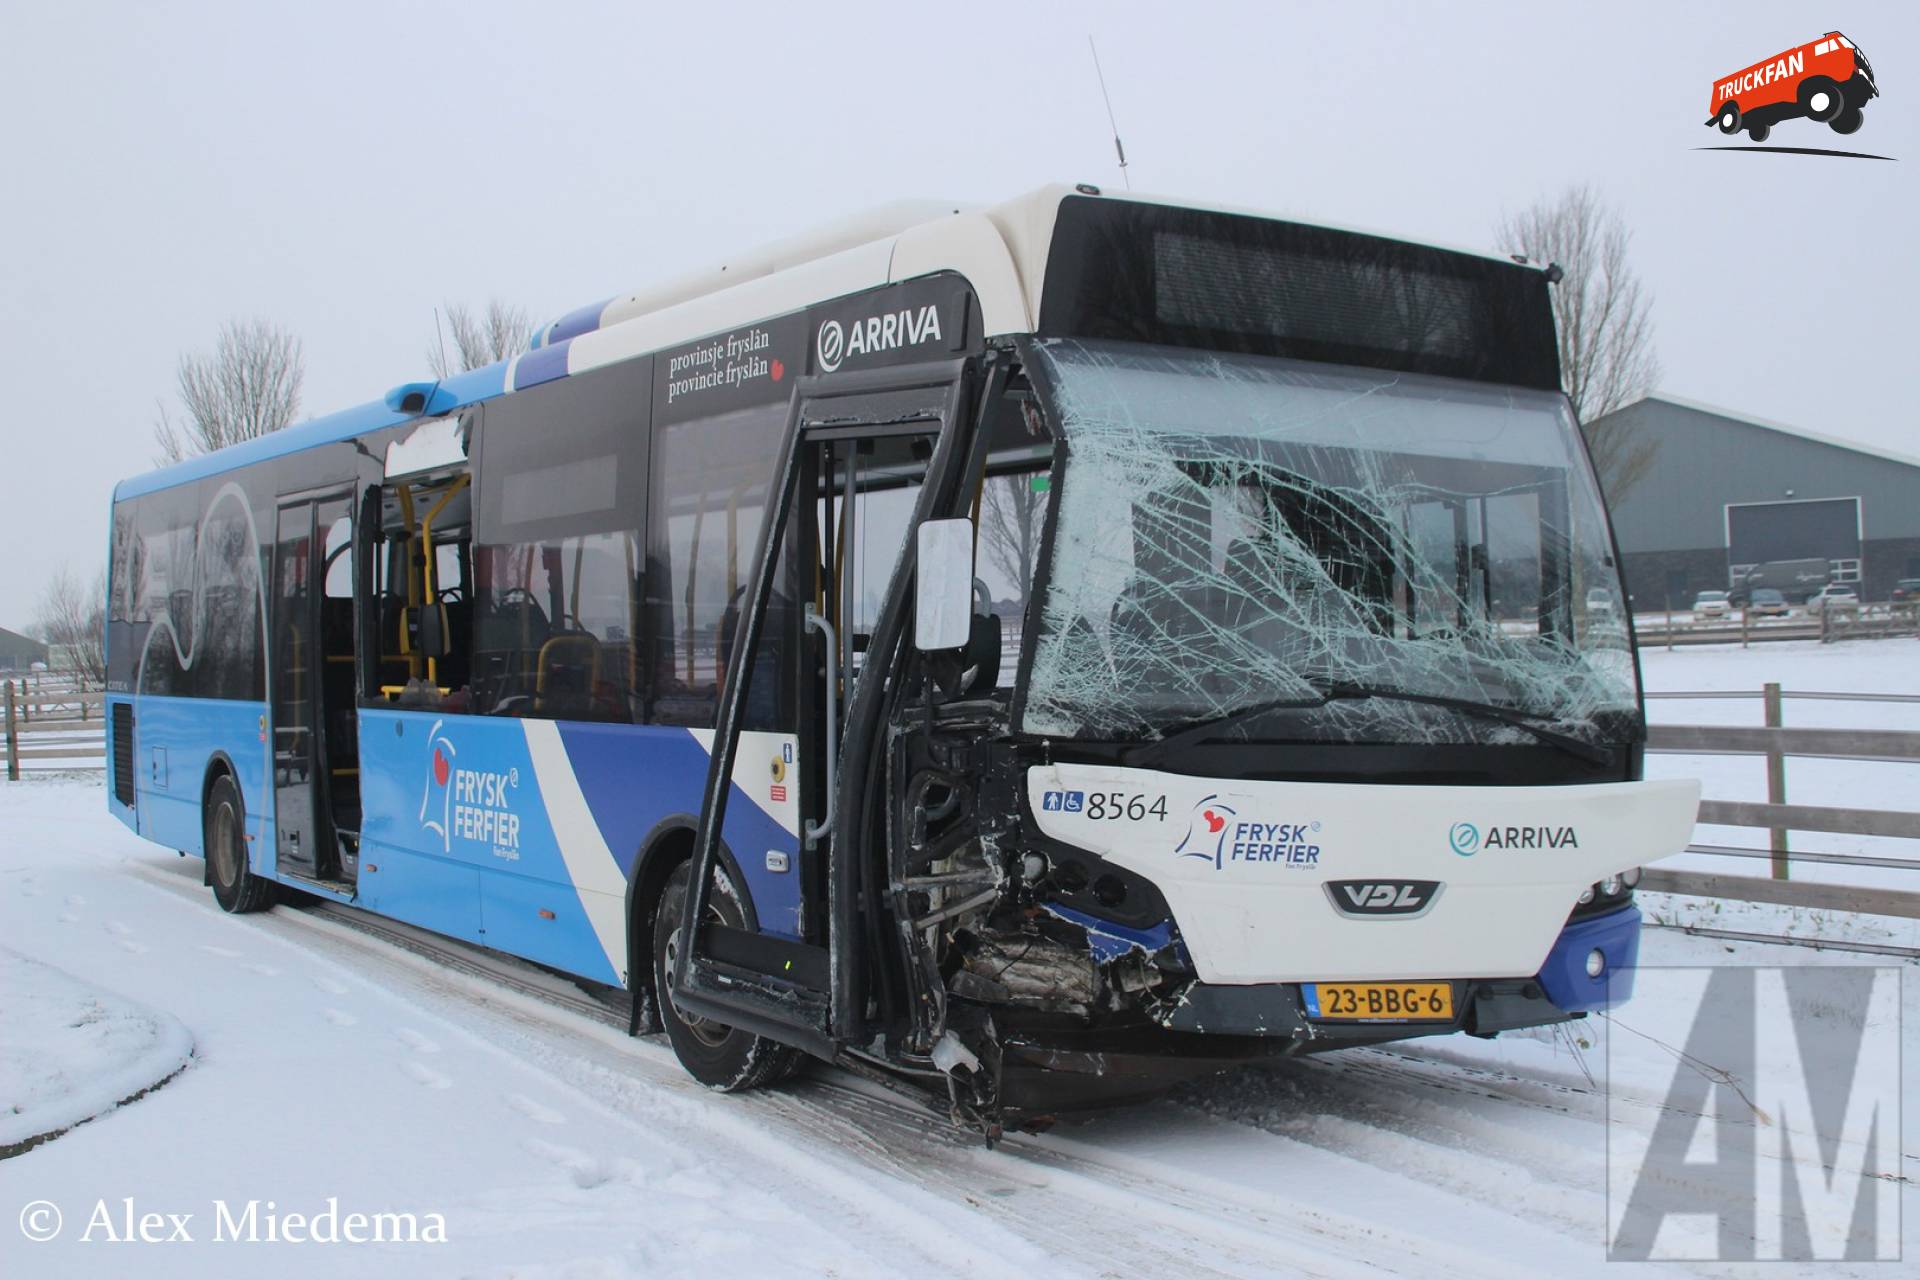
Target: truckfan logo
1465,839
1401,899
1827,81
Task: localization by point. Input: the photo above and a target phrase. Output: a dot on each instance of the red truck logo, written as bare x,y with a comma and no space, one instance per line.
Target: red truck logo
1826,80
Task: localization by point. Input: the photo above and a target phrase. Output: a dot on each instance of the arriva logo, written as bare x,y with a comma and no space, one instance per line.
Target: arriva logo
474,804
889,332
1467,839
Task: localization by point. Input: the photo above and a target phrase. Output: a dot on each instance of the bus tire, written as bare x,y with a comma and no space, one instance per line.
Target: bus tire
1821,99
1847,121
1730,118
718,1056
223,826
1758,132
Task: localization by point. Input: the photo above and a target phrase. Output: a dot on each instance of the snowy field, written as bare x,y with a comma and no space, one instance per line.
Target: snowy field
327,1067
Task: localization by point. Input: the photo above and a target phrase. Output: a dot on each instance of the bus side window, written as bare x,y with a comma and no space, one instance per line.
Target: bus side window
711,479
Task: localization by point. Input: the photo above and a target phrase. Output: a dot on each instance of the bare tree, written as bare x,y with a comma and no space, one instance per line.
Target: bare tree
73,622
479,338
1012,515
248,387
1606,335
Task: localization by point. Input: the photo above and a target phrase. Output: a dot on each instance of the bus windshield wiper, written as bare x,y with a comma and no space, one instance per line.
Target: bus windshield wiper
1334,692
1527,720
1199,730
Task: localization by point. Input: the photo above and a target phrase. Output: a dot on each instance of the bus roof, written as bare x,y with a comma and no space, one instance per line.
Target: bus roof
1001,249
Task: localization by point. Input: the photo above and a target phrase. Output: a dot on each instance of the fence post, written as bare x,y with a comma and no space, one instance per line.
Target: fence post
1776,781
1669,624
13,740
1745,610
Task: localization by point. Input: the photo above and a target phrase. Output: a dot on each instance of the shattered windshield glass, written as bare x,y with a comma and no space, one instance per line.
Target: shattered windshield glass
1239,532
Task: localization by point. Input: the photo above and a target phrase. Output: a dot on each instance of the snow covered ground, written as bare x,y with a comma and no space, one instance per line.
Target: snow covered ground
73,1051
526,1139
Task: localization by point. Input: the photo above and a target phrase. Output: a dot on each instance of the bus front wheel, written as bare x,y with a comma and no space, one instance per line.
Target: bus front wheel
1730,118
1820,99
223,836
1847,121
718,1056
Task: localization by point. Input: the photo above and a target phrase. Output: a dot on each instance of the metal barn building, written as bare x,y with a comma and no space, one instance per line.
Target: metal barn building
18,652
1729,496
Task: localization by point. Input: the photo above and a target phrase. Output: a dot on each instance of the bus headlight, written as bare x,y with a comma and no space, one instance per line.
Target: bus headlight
1611,886
1586,895
1631,877
1596,963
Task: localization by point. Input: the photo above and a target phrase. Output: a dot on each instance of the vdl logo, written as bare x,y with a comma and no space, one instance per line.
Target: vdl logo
1465,839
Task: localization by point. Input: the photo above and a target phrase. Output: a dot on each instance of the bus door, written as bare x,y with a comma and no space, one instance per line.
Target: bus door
866,457
315,755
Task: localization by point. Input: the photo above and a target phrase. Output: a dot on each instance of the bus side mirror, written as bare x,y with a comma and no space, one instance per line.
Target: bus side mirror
943,580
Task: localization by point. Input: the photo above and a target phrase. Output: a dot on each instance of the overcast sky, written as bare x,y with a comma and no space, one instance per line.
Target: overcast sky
342,168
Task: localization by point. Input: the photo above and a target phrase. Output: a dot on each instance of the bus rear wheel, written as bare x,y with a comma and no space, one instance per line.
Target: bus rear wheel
223,841
1758,132
1847,121
718,1056
1730,118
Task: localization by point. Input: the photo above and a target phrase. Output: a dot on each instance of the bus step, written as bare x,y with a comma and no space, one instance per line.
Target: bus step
757,1002
765,953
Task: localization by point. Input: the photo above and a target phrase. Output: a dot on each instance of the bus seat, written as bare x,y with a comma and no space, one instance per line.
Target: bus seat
567,672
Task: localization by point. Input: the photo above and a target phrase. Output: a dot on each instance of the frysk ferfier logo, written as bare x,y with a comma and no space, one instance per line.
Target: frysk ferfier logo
1772,1129
473,804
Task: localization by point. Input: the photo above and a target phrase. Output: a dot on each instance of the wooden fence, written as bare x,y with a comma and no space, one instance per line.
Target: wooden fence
1863,622
53,719
1777,816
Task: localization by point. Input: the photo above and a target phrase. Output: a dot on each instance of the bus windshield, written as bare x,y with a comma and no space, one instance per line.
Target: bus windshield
1372,555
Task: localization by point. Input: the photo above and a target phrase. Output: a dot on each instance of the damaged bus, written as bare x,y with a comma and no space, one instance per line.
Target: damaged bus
1040,652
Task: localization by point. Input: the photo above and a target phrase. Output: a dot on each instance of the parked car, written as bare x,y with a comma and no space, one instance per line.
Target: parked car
1907,591
1767,603
1711,604
1834,598
1599,600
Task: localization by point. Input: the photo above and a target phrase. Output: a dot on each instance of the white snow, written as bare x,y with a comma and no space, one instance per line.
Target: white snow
327,1065
72,1051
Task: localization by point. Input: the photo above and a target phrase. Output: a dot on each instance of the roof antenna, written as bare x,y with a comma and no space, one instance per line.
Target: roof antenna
441,338
1104,97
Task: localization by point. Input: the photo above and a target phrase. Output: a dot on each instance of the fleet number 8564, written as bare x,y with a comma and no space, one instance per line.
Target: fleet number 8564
1112,806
